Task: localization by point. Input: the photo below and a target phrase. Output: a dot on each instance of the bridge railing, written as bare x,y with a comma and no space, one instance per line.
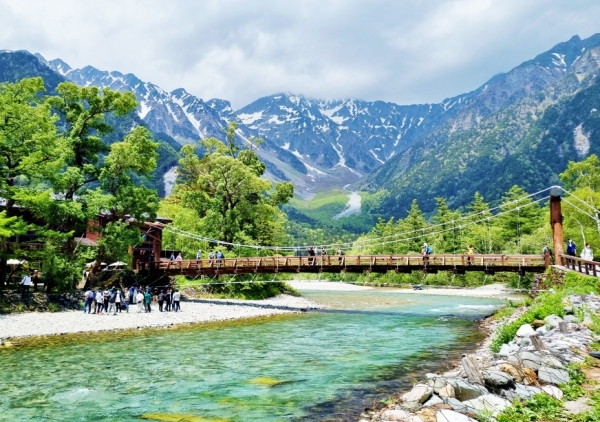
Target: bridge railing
581,265
365,261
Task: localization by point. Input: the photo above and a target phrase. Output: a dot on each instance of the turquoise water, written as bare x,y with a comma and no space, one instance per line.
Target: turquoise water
313,366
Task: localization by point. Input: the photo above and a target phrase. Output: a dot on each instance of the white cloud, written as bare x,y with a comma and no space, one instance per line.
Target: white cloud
406,52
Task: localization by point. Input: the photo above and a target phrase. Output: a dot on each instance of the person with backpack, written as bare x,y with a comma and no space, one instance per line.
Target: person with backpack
547,250
106,300
112,299
211,256
426,251
220,257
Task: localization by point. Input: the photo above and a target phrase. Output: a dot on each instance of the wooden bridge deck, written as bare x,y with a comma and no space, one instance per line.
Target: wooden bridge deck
355,264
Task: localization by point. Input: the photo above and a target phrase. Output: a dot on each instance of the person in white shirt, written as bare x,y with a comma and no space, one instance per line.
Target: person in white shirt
140,301
99,302
176,299
587,253
26,282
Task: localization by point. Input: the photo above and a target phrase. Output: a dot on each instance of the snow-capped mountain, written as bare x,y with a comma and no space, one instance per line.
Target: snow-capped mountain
311,141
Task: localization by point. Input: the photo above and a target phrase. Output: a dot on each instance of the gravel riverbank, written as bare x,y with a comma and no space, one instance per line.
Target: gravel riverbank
55,323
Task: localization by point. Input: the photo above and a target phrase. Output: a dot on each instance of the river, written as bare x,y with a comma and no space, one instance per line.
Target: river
314,366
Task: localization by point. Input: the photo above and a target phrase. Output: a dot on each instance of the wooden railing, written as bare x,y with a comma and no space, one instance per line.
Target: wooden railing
359,263
581,265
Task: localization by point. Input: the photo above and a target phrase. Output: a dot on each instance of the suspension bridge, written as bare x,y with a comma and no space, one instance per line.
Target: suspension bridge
285,259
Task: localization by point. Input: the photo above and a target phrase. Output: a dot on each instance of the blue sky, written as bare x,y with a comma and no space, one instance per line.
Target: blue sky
239,50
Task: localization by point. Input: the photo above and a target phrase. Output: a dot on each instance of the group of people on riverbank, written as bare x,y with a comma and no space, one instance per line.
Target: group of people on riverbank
115,300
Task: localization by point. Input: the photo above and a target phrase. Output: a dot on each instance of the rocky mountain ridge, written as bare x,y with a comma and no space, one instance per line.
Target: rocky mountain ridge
318,143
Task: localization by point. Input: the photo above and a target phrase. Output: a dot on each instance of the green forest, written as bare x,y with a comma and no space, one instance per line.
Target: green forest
77,153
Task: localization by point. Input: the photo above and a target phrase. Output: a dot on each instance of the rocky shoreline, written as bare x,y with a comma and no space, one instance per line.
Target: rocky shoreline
485,383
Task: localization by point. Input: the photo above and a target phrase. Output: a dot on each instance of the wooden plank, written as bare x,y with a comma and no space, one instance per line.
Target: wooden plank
537,342
469,364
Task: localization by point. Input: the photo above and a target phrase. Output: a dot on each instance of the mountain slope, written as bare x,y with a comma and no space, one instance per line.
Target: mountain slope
527,143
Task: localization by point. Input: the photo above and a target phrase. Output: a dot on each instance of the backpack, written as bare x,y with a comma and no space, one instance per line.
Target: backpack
428,250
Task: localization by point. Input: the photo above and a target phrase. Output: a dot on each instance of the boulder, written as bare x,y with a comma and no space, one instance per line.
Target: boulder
411,406
526,360
525,330
487,403
428,415
447,392
553,376
542,331
529,376
455,404
570,318
553,391
452,416
553,320
512,370
537,324
524,342
568,311
434,400
395,415
551,362
497,378
504,350
437,383
521,391
464,390
420,394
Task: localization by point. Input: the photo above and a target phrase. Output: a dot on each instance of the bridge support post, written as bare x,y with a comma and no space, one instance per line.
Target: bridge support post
556,219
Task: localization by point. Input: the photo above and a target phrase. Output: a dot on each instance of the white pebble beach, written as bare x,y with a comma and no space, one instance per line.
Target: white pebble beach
55,323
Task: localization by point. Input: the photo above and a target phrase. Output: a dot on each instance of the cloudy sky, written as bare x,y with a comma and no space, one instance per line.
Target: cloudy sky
409,51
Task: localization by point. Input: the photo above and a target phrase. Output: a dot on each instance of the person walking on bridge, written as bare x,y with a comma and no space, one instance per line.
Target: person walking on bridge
571,248
587,253
470,255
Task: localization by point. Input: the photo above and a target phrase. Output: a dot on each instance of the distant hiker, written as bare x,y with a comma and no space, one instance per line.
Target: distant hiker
99,299
587,253
139,297
176,300
426,251
112,299
172,256
211,257
340,254
179,257
470,255
127,299
571,248
89,299
323,254
167,299
547,250
311,253
118,300
106,297
220,257
199,255
26,283
147,300
161,300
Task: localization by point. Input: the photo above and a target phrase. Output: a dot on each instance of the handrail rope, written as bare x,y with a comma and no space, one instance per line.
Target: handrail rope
576,207
360,246
516,201
579,199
